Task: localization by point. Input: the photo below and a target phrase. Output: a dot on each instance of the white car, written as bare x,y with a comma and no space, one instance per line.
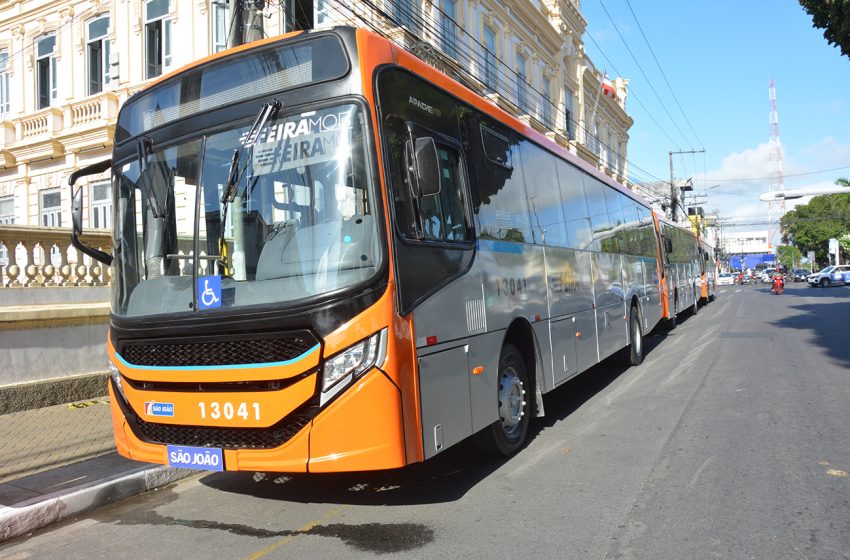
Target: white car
829,276
725,279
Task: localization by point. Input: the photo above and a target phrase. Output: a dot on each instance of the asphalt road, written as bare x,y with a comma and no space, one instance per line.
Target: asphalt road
730,441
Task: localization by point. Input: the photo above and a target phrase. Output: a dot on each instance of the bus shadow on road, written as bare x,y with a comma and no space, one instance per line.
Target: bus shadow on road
444,478
570,396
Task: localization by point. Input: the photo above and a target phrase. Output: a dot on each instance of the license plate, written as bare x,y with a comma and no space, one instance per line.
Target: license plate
202,458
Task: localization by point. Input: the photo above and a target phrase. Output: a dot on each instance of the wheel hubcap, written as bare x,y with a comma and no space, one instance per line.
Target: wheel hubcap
511,401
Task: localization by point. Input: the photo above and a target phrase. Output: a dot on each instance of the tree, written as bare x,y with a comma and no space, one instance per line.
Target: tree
833,16
809,227
789,256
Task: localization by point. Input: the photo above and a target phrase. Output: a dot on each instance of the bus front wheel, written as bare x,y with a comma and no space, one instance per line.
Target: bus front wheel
633,353
506,435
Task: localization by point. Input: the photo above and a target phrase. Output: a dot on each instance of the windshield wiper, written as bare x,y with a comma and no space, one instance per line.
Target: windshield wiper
144,146
267,113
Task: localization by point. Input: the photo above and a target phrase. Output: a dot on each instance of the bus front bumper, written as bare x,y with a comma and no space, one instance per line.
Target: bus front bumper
361,430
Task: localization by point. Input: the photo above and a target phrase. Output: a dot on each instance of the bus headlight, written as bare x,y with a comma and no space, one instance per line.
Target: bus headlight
355,360
116,378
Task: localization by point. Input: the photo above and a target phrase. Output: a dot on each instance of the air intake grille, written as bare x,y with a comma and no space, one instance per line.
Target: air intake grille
219,352
227,438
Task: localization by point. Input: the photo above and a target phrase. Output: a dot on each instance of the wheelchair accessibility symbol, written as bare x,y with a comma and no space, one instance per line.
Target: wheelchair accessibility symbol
209,292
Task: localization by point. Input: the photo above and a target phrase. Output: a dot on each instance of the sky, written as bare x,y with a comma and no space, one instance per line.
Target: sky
718,57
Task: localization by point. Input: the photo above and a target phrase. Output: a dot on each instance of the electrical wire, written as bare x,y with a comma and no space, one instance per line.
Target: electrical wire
663,74
632,92
648,81
471,50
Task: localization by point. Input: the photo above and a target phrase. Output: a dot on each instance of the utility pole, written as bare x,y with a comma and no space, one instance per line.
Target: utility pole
246,21
776,180
674,192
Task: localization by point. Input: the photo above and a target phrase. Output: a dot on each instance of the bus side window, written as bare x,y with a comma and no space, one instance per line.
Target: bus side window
443,214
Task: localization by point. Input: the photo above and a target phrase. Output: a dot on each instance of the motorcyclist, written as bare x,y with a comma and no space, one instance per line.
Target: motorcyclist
778,281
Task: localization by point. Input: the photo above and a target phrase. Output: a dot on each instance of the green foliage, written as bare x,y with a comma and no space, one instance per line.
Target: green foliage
789,256
834,18
809,227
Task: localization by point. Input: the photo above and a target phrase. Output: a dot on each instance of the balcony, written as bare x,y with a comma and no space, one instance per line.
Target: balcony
55,131
33,256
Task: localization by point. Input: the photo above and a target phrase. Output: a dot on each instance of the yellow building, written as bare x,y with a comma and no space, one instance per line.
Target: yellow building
67,65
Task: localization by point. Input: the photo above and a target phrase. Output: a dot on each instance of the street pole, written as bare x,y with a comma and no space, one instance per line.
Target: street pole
674,194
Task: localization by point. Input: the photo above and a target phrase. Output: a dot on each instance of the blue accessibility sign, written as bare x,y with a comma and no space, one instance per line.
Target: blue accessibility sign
209,292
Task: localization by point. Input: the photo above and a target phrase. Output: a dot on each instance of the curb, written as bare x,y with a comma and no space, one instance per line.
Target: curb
41,511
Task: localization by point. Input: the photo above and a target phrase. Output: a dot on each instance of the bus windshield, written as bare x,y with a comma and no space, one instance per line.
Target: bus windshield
298,223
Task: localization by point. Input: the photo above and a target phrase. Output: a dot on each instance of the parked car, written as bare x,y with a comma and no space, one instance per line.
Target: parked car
829,276
800,274
766,276
725,279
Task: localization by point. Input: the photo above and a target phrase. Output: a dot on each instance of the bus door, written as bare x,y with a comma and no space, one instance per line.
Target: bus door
433,244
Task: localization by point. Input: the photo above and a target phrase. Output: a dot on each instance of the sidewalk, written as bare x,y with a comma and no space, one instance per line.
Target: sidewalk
60,460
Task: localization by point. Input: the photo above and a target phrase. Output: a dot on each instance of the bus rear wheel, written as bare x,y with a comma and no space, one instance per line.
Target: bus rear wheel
506,435
633,353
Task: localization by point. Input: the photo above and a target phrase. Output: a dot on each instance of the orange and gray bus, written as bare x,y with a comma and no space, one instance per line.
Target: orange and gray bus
329,256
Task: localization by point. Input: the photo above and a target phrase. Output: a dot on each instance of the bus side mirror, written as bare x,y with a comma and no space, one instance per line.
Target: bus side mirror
427,166
668,244
77,211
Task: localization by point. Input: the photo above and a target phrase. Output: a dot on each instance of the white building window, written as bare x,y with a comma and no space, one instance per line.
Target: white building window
324,15
448,28
491,77
405,13
101,206
568,113
219,25
7,216
521,83
97,47
51,208
7,210
5,103
546,113
157,38
46,72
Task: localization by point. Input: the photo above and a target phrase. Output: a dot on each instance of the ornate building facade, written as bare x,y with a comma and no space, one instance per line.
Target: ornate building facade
67,65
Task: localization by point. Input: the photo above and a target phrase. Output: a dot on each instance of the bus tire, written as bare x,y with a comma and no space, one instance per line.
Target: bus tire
507,434
633,353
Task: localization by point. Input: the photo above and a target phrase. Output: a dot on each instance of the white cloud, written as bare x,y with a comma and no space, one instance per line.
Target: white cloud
733,188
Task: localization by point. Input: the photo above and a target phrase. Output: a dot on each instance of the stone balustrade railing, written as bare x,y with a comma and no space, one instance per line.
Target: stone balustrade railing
92,110
35,125
34,256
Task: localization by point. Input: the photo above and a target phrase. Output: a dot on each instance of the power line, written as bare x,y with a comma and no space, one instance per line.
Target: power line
663,74
473,51
648,81
637,99
784,175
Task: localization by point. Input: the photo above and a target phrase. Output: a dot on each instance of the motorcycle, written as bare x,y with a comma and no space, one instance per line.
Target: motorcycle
778,285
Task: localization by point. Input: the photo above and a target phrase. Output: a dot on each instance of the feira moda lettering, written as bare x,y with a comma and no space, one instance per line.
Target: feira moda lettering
299,143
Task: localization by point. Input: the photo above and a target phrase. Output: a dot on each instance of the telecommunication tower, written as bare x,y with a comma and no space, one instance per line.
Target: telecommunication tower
776,180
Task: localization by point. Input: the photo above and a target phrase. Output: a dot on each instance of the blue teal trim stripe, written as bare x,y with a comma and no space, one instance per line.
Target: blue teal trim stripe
233,366
500,246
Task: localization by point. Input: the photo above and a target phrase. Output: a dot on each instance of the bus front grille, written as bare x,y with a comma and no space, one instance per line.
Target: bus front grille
219,351
225,438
